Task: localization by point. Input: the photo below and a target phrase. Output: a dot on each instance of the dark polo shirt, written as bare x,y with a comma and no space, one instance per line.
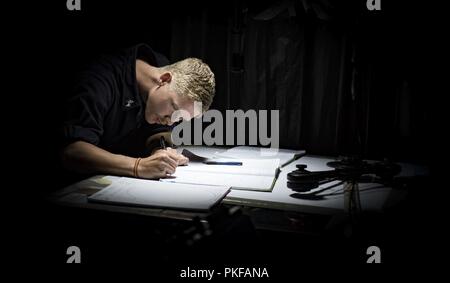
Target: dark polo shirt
107,109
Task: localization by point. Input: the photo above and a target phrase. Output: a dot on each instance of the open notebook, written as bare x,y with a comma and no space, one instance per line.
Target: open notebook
261,153
138,192
258,174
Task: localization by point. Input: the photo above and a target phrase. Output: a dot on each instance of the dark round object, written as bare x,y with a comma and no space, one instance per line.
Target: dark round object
301,166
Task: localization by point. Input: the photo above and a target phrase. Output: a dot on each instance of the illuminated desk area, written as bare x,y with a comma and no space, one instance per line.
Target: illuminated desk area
278,220
374,197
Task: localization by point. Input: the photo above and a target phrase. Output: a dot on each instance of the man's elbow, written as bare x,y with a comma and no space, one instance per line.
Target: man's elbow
70,155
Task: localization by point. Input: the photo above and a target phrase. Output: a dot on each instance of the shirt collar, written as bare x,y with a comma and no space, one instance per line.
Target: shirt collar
135,99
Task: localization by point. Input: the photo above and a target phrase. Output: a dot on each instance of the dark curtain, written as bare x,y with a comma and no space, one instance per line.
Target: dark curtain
345,80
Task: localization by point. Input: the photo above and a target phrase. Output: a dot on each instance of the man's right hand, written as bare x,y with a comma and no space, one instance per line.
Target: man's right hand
86,158
158,165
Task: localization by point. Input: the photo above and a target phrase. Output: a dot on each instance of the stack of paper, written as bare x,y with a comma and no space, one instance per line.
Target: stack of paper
252,174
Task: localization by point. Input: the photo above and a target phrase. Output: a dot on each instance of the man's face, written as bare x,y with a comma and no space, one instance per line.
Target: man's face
161,104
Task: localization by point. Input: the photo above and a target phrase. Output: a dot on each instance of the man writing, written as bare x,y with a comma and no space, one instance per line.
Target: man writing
124,99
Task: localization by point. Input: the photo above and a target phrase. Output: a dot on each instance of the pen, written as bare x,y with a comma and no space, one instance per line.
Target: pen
162,142
212,162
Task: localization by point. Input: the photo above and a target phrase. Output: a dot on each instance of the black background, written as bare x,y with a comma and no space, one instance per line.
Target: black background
394,114
47,45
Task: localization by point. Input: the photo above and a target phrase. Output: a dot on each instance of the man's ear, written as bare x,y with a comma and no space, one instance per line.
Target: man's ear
165,78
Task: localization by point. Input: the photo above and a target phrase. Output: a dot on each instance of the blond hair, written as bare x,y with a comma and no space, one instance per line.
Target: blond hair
193,78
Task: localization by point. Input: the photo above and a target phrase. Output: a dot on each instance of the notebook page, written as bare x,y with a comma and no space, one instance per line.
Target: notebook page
235,181
160,194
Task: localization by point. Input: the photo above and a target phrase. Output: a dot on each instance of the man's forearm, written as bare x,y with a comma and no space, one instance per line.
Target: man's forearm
83,157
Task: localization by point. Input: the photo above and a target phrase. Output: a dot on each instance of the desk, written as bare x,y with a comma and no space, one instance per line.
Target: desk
311,228
374,197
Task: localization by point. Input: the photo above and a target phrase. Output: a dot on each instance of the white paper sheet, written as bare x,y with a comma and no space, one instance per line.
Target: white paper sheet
258,175
249,152
160,194
235,181
265,167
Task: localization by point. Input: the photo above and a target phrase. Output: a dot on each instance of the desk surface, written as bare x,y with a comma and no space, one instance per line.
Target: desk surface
374,197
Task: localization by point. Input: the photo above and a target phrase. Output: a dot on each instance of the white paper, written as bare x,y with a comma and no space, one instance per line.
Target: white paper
266,167
236,181
160,194
251,175
259,153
